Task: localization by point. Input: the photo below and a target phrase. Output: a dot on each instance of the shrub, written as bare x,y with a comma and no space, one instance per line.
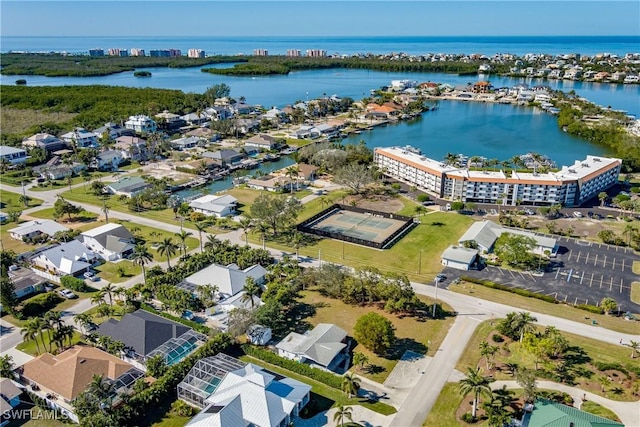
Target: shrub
375,332
73,283
40,304
518,291
603,366
182,409
590,308
468,418
422,198
497,338
324,377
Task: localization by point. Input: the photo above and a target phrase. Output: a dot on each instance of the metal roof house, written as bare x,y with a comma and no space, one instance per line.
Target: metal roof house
485,233
128,186
459,257
30,229
71,258
111,241
230,279
321,346
212,205
547,413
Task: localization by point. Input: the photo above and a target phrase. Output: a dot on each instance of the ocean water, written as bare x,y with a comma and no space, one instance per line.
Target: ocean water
586,45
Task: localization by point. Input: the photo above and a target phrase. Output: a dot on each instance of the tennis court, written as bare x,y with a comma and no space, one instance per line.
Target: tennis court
365,226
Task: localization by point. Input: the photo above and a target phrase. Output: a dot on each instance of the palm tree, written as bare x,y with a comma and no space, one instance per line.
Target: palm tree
212,243
293,172
167,248
52,322
263,229
341,413
84,320
350,384
30,331
451,159
604,382
517,162
105,210
7,367
475,160
182,235
523,322
629,231
360,359
296,241
246,223
200,226
603,198
108,291
142,256
99,387
635,345
97,299
477,384
251,289
487,351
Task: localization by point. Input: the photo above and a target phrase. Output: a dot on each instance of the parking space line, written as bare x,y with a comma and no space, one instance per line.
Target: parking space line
591,282
587,260
604,263
623,265
578,259
611,285
620,285
569,259
576,301
601,278
596,261
614,264
569,275
582,278
557,272
512,275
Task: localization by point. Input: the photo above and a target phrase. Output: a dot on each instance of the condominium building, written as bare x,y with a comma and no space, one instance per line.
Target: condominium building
195,53
136,52
114,51
260,52
316,53
96,52
570,186
293,52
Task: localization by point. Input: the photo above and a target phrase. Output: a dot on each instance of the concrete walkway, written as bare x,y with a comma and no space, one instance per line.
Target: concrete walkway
359,414
628,412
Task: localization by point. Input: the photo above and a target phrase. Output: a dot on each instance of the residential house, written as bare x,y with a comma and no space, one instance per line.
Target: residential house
212,205
204,134
146,335
224,157
132,148
25,281
259,335
82,138
9,398
141,124
230,281
68,259
46,141
113,131
111,241
245,126
325,345
185,143
195,119
169,121
273,183
481,87
233,393
547,413
328,130
307,172
128,186
55,169
485,233
12,155
262,141
218,112
274,115
459,257
241,108
59,379
307,132
108,160
384,111
30,229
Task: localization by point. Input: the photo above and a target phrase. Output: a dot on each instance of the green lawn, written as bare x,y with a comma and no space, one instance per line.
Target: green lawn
338,397
246,196
424,243
636,267
62,183
539,306
109,271
10,200
47,213
635,292
444,410
412,334
599,410
30,347
594,350
11,244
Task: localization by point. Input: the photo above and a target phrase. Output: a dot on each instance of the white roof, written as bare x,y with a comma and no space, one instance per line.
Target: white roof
45,226
485,233
321,344
101,230
214,203
230,280
216,415
67,257
5,149
459,254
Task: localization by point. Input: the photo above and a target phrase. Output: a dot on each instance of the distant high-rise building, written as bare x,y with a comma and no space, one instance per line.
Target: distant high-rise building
137,52
114,51
293,52
260,52
175,52
165,53
195,53
96,52
316,53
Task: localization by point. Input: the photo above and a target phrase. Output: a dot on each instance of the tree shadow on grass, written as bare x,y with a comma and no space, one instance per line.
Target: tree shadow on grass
402,345
317,404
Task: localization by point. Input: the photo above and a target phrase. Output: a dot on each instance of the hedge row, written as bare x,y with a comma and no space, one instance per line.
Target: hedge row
40,304
525,293
319,375
190,323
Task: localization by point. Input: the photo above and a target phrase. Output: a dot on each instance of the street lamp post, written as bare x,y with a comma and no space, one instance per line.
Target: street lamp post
435,302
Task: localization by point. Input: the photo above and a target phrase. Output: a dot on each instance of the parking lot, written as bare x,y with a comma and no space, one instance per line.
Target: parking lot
581,273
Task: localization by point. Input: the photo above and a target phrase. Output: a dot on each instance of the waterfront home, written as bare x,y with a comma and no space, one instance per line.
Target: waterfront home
233,393
68,259
481,87
218,112
112,131
55,169
375,111
273,183
307,172
458,257
205,134
108,160
262,141
224,157
325,346
110,241
185,143
169,121
12,155
46,141
132,148
212,205
229,279
195,119
59,379
146,335
141,124
275,116
81,138
127,186
546,413
601,75
239,108
39,227
485,233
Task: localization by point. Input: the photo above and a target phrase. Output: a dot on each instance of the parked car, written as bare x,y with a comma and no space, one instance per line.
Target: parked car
441,277
66,293
48,287
577,214
91,276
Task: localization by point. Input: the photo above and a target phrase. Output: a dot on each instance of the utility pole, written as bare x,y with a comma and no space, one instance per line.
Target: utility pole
435,302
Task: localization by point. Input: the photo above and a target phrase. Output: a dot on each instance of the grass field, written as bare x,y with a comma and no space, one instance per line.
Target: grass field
19,121
599,410
594,349
635,292
636,267
10,200
110,271
62,184
444,410
559,310
82,217
411,333
30,347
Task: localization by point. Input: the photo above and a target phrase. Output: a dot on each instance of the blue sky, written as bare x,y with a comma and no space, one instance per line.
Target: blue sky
314,18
